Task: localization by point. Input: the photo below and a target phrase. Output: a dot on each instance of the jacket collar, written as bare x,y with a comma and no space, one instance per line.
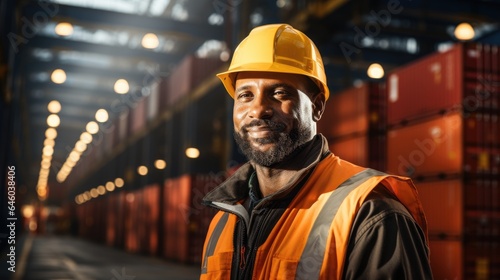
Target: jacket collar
235,188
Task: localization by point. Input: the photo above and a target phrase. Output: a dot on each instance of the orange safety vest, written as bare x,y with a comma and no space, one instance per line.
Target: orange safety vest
310,239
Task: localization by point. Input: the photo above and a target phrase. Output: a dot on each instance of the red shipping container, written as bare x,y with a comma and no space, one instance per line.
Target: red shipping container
462,76
482,226
346,113
355,110
153,102
425,87
138,116
446,259
428,148
123,126
443,206
482,260
352,149
189,74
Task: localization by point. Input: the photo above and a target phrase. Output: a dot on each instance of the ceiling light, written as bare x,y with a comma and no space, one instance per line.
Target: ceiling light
121,86
92,127
74,156
101,190
464,31
150,41
64,29
86,137
142,170
94,193
192,152
160,164
49,142
51,133
110,186
119,182
53,120
58,76
48,150
80,146
375,71
101,115
54,106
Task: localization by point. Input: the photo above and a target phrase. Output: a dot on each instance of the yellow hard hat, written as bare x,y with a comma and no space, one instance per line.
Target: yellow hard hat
276,48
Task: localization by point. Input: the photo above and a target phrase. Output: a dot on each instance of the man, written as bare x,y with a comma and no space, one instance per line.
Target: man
295,210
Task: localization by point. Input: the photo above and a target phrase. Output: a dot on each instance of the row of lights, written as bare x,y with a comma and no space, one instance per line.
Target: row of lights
110,186
81,145
53,121
149,40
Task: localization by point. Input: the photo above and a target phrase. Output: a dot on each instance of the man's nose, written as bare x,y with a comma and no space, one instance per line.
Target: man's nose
261,107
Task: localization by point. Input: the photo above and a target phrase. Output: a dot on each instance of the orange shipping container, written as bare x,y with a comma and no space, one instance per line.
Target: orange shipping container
443,206
435,83
446,259
428,148
357,110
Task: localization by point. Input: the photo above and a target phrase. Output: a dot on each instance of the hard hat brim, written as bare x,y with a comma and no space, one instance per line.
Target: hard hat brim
228,77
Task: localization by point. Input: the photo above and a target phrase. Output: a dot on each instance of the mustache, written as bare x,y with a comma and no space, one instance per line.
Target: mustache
274,126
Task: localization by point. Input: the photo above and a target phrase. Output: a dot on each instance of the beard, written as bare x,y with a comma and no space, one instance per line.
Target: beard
284,143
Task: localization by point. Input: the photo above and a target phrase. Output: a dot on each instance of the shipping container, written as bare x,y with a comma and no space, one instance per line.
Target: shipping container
354,123
357,110
443,206
446,257
461,77
432,147
137,118
189,74
186,220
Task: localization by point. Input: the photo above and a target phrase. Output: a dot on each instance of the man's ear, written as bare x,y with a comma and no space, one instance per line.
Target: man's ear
318,106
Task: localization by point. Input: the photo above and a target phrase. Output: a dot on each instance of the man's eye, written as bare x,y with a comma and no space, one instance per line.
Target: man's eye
244,95
281,93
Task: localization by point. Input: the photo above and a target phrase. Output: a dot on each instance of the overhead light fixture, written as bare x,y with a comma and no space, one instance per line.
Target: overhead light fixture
119,182
150,41
64,29
121,86
142,170
51,133
54,107
101,115
58,76
53,120
92,127
192,153
375,71
464,31
110,186
160,164
86,137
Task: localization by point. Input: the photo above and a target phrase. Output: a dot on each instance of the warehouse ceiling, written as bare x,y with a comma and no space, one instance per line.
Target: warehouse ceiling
106,44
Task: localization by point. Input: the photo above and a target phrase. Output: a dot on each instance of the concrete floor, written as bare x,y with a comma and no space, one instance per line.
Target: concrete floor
64,257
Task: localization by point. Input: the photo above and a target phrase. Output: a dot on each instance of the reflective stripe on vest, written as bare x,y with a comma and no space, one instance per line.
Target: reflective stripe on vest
311,260
212,242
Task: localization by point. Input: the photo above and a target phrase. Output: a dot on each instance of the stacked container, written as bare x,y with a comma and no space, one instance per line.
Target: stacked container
444,133
354,122
186,219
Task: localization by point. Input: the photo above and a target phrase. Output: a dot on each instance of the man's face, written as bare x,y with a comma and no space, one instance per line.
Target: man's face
273,115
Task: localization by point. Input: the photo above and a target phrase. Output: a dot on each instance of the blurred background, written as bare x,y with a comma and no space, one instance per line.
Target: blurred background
116,125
